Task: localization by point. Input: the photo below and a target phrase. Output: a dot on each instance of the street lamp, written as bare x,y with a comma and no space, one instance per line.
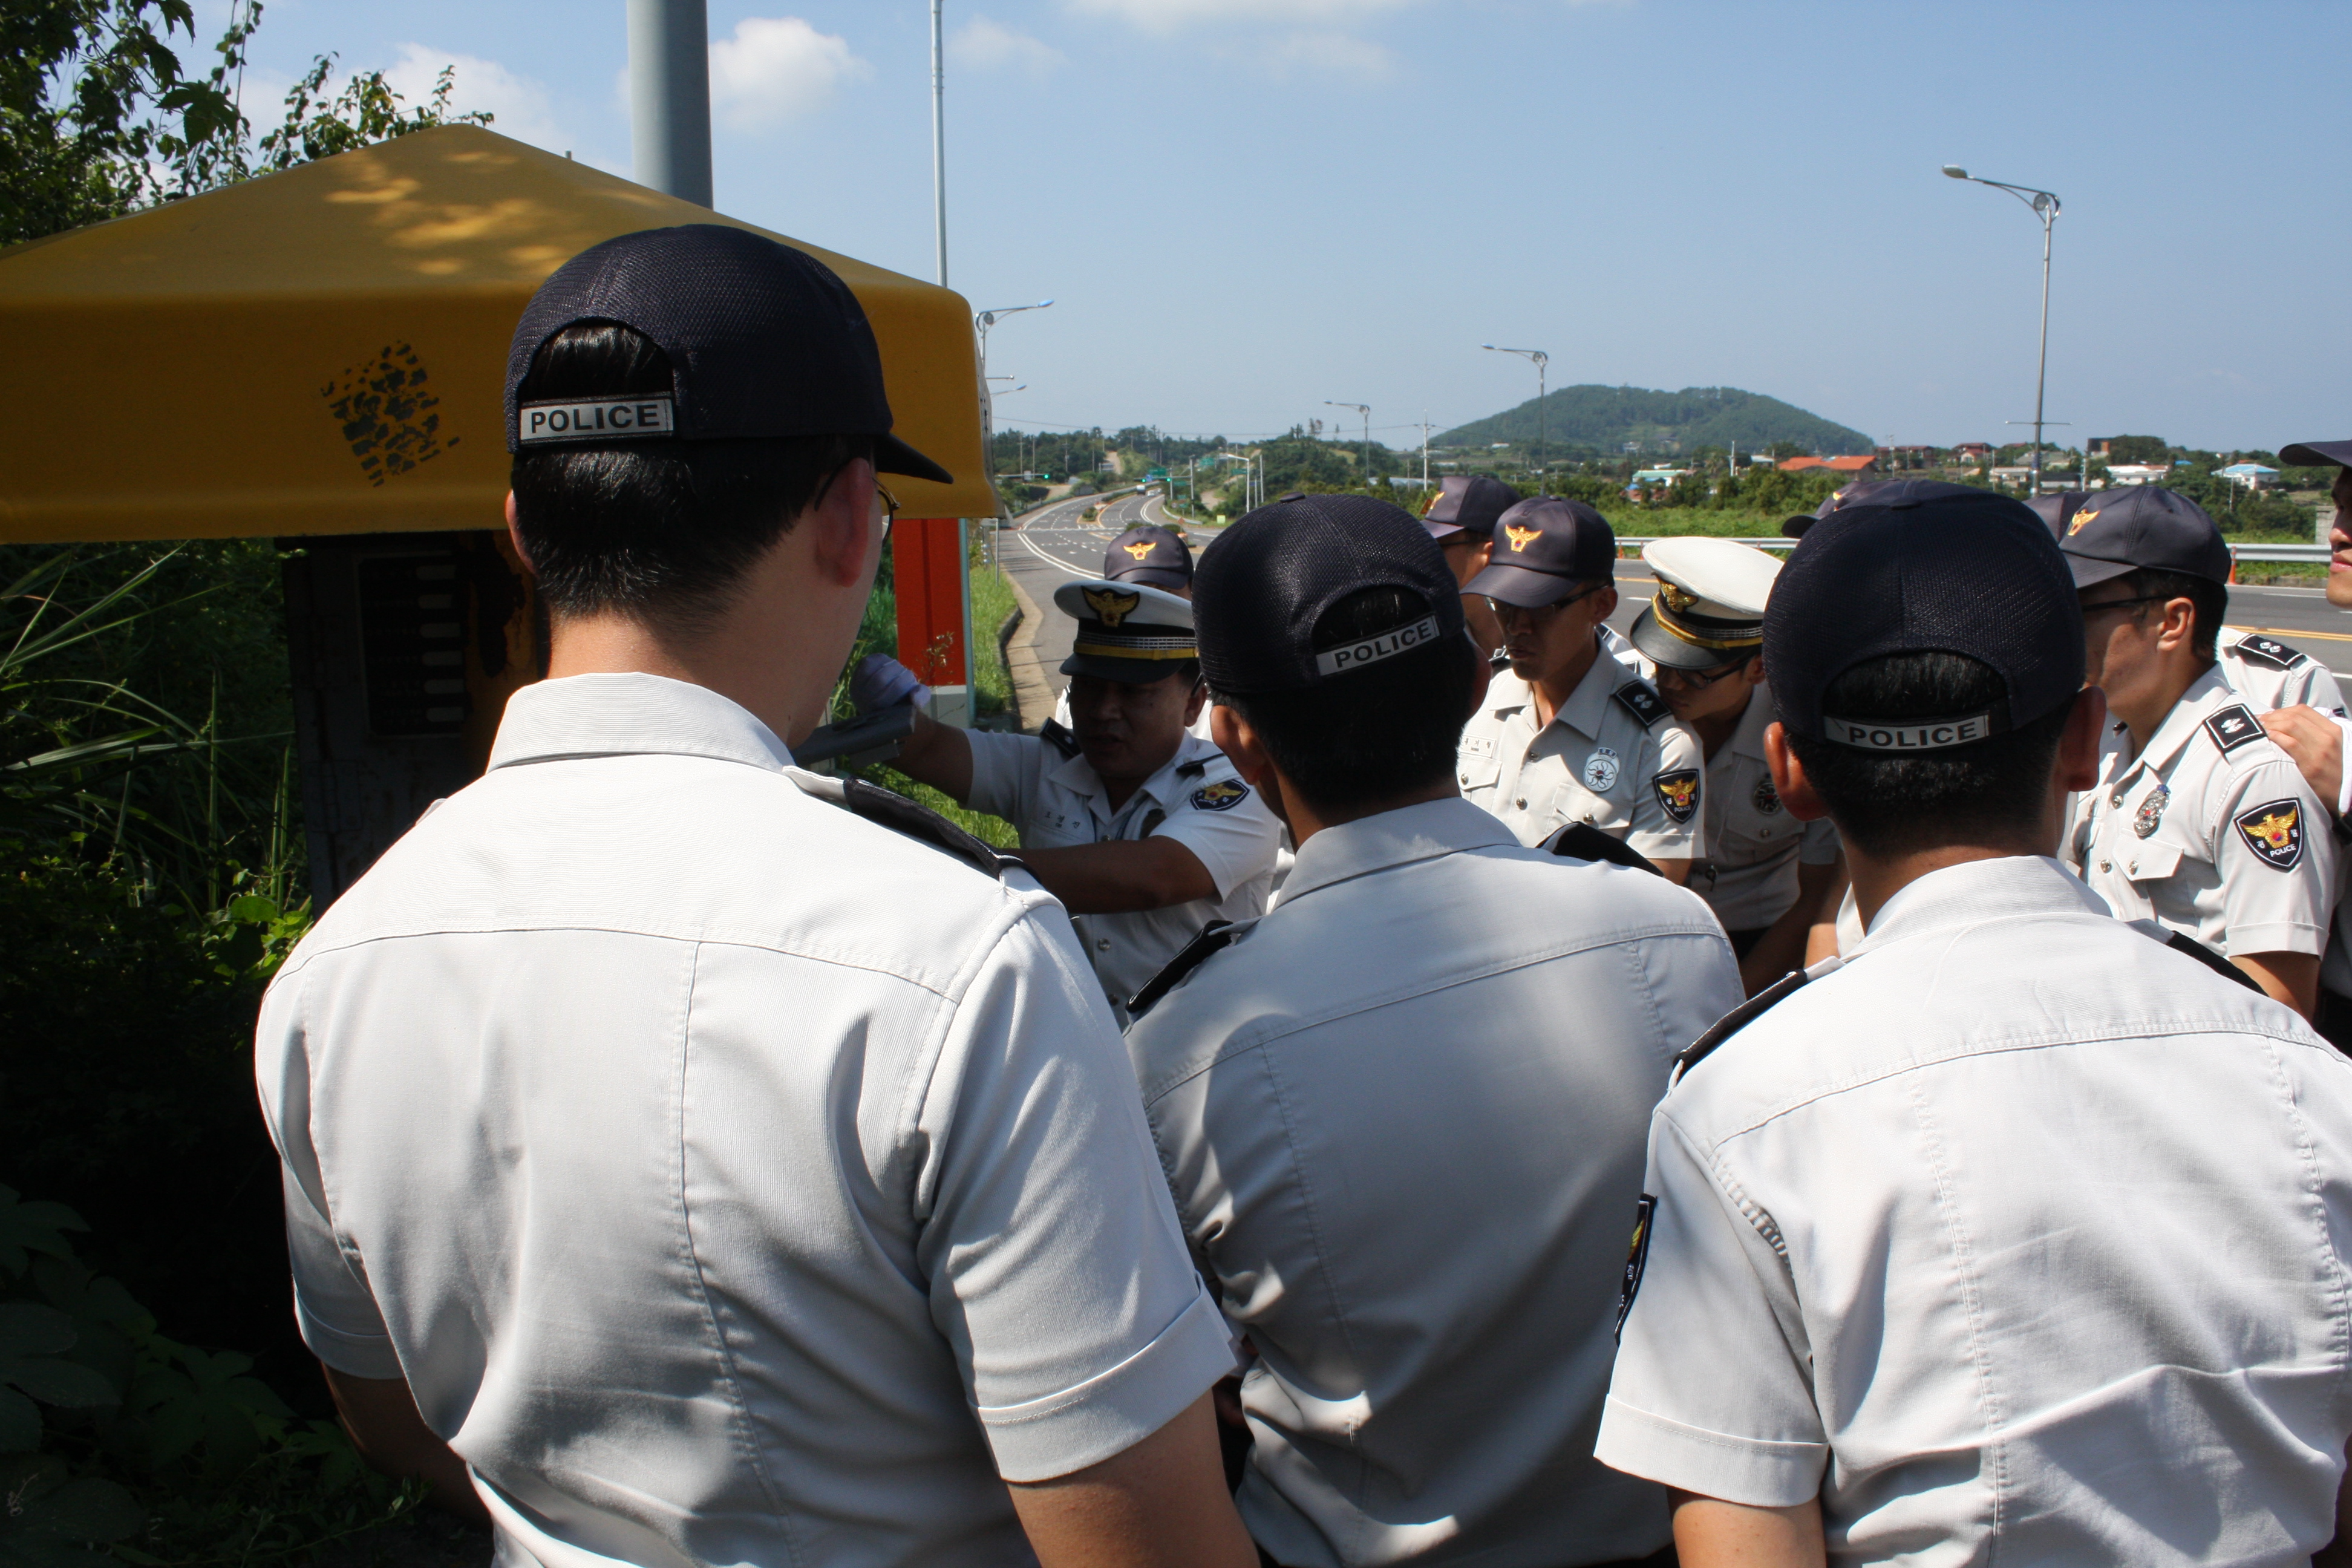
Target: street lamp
2045,207
987,318
1540,360
1366,410
1253,477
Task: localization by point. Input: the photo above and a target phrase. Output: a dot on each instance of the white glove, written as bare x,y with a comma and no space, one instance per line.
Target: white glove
880,681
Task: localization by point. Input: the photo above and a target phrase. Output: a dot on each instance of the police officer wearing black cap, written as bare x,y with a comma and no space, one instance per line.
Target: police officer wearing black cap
1952,1248
1402,1140
1462,520
1569,735
687,1158
1157,557
2197,819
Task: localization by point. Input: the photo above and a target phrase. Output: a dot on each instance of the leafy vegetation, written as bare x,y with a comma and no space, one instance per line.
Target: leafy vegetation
1599,421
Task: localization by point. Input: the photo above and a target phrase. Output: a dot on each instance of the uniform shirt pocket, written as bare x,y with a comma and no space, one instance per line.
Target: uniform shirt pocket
2152,861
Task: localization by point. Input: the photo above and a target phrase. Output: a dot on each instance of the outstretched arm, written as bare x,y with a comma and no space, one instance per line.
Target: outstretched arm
1120,876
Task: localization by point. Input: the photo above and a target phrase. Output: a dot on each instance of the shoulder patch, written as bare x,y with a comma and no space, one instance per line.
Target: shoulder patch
896,812
2182,942
2233,727
1739,1018
1211,940
1192,769
1645,705
2260,649
1637,1259
2273,831
1223,795
1678,793
1582,841
1061,740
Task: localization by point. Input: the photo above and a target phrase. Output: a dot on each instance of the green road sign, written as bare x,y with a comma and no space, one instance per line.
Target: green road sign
1155,473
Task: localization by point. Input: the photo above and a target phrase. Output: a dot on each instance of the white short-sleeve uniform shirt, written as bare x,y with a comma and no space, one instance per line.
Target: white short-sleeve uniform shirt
1054,800
1407,1147
733,1180
1612,756
2210,829
1748,874
2017,1238
2269,674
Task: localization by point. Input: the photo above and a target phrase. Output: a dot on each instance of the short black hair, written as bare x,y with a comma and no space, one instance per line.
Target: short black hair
1893,804
2210,599
1379,732
659,531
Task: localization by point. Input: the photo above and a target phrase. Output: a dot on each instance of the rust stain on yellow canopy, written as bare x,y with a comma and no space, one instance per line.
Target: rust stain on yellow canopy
180,370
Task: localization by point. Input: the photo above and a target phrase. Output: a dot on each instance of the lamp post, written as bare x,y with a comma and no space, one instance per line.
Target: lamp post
940,139
987,318
670,96
1540,360
1366,410
2045,207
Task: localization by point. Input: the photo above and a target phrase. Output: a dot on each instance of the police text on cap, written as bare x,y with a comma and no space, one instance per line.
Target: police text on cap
598,419
1371,650
1909,734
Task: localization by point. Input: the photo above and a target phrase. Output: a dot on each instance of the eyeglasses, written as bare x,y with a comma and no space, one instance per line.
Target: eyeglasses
1540,615
889,507
1701,679
2090,610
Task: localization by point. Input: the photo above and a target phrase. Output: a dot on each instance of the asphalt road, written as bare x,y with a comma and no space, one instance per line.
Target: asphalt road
1050,546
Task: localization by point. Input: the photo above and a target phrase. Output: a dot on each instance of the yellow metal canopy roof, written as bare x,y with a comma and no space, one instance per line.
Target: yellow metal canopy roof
324,350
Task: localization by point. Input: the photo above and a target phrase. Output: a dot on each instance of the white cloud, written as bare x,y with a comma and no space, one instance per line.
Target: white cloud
517,104
776,69
1165,16
984,45
1335,54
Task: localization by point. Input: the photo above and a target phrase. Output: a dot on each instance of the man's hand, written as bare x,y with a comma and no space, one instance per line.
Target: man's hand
1161,1504
1711,1534
880,681
2315,742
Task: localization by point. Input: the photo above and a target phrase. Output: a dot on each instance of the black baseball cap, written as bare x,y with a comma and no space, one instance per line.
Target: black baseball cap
2311,454
1975,574
1468,503
1151,553
2143,526
2058,510
764,342
1544,547
1260,594
1884,492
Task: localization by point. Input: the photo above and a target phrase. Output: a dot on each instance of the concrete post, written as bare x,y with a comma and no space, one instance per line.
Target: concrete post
669,97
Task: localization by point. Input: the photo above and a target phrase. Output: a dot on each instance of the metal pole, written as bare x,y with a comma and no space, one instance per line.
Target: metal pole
2042,361
669,97
940,139
1543,364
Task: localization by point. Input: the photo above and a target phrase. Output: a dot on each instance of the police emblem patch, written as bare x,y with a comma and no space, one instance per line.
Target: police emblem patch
1678,793
1600,770
1637,1258
2274,832
1521,537
1111,606
2233,727
1138,551
2151,811
1765,798
1223,795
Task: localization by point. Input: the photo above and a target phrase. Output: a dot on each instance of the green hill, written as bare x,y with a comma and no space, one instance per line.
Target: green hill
1605,418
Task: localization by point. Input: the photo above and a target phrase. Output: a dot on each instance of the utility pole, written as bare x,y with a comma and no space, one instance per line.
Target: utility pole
939,138
669,97
1366,410
1425,448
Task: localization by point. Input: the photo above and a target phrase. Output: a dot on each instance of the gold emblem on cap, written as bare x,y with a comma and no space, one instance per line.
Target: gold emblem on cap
1111,605
1138,551
2080,517
1521,537
1677,599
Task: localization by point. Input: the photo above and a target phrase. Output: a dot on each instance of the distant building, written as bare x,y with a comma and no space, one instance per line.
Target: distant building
1660,476
1895,458
1802,464
2015,478
1972,451
2100,446
1854,467
2254,476
2137,473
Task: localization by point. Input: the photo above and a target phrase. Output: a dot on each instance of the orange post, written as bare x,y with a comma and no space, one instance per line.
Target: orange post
927,571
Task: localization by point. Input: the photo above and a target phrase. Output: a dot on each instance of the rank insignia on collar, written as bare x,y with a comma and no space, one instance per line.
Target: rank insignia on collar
1223,795
2233,727
2151,811
2271,651
2274,832
1644,704
1765,798
1678,793
1637,1258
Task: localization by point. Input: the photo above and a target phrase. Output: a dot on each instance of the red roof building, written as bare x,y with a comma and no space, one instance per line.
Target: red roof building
1802,464
1857,467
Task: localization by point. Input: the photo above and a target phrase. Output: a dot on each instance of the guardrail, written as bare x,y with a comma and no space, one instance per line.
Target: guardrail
2274,553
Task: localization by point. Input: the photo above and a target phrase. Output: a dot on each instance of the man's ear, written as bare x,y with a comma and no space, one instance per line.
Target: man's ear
1482,675
2179,625
840,524
1789,781
514,536
1249,756
1192,702
2078,743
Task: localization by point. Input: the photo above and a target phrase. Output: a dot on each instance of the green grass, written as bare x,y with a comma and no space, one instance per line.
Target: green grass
992,601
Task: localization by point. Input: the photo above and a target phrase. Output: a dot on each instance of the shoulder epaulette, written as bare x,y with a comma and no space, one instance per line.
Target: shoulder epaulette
2233,727
1499,659
1209,940
880,806
1582,841
1061,740
2182,942
1644,704
2261,649
1192,769
1739,1018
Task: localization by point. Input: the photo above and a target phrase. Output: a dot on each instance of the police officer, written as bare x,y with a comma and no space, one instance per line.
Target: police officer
679,1167
1157,557
2196,819
1142,827
1462,520
1767,875
1568,734
1402,1140
1951,1249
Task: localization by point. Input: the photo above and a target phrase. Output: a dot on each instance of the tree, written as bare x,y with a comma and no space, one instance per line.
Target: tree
2138,449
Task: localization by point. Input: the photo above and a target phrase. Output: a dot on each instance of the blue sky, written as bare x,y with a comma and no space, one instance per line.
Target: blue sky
1244,208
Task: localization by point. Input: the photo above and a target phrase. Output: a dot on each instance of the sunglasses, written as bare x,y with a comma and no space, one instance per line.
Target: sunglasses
1541,613
2090,610
1701,679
